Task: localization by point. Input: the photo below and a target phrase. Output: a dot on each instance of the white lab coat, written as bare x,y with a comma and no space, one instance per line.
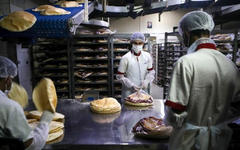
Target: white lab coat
13,124
202,86
135,68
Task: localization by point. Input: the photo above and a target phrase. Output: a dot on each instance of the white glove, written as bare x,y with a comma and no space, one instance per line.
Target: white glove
125,81
150,76
47,116
148,79
145,84
40,133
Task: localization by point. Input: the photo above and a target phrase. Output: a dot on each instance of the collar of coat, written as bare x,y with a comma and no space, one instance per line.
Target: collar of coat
206,45
136,53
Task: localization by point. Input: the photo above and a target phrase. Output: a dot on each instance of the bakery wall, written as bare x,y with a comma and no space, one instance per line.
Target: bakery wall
160,25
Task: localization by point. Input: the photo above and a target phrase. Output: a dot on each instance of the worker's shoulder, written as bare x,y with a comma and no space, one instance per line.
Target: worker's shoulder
146,53
9,104
187,58
127,55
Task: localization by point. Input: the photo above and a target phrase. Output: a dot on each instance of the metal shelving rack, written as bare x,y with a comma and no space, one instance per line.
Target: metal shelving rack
90,63
158,54
49,59
90,55
231,41
172,52
119,46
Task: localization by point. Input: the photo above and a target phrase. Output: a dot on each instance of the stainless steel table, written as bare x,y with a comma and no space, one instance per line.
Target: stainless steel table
85,128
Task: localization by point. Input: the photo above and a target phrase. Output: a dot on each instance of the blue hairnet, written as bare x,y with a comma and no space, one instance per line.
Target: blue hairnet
7,68
195,20
138,36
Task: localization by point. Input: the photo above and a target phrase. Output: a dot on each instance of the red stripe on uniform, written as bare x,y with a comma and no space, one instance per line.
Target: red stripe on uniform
150,69
206,45
120,72
176,106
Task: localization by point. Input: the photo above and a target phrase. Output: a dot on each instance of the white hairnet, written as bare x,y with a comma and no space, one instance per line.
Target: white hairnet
7,68
138,36
195,20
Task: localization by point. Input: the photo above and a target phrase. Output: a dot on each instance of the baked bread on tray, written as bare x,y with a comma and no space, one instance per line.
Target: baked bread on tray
152,127
139,98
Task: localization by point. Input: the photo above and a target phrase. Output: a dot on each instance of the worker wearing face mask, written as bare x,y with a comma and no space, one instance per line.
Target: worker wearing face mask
13,122
135,70
203,84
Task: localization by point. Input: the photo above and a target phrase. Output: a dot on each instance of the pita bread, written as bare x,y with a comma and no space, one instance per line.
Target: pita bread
55,11
105,106
45,96
105,118
54,126
18,94
18,21
80,1
37,115
152,127
69,4
43,7
138,104
31,120
139,99
52,137
55,130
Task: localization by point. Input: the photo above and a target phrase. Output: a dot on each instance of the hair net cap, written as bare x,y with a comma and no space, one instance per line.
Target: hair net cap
138,36
195,20
7,68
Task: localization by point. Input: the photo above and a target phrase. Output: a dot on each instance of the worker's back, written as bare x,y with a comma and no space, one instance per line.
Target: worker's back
215,81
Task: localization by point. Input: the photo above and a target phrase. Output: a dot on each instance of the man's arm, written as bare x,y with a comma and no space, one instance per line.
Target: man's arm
179,92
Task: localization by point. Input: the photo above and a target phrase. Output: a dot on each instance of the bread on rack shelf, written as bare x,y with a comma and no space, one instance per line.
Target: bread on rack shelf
222,37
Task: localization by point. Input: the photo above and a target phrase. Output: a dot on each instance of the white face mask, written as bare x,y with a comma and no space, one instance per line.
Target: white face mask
137,48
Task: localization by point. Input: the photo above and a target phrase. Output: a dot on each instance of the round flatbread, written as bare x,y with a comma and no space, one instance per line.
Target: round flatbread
18,94
45,96
54,126
69,4
138,104
55,137
139,99
152,127
105,118
105,106
18,21
43,7
55,11
37,115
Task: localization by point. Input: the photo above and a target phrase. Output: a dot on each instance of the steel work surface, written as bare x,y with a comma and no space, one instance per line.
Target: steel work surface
84,128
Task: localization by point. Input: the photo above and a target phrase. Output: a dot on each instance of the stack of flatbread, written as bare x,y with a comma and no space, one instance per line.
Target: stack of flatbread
105,106
139,99
152,127
51,10
18,21
55,127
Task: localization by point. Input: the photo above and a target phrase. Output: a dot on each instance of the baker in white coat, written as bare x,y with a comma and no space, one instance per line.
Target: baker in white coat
203,84
13,122
135,70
